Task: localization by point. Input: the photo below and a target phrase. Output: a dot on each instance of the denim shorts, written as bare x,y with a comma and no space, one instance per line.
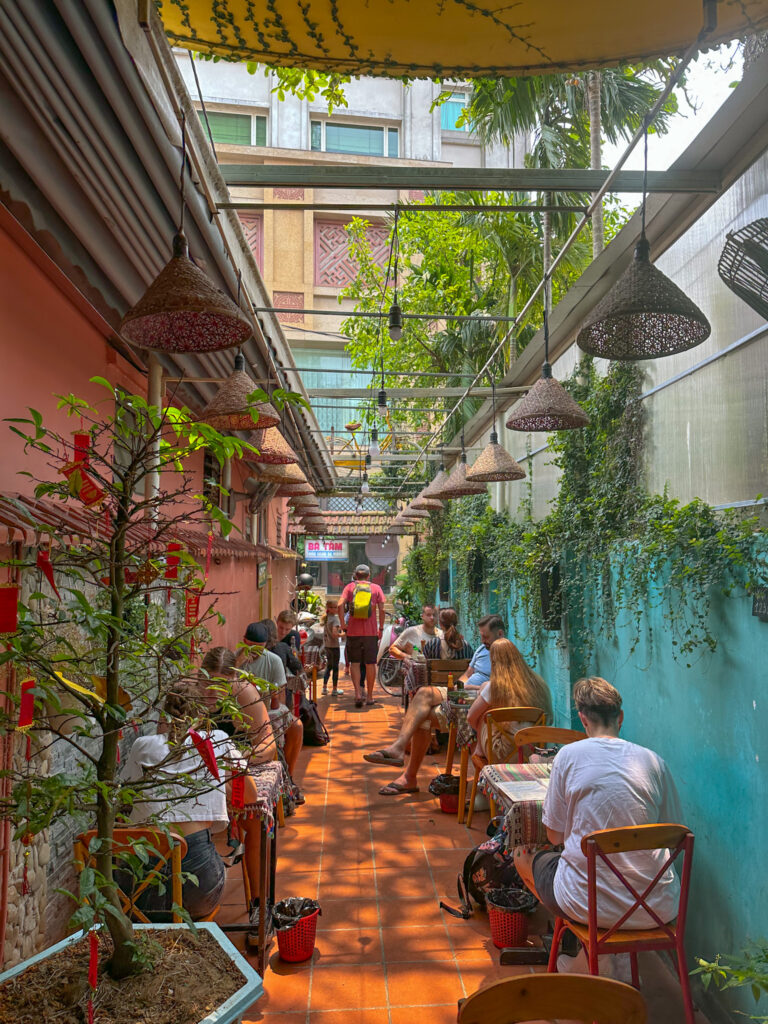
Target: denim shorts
200,897
544,868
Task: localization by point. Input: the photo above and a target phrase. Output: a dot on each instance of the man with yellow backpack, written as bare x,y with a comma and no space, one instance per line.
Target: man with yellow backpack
364,602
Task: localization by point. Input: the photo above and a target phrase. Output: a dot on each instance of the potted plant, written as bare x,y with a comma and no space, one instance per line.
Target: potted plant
120,615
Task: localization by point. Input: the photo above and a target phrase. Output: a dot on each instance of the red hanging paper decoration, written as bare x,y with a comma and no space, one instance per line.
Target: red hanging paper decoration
81,485
93,970
172,561
43,563
191,607
9,607
238,791
204,747
26,705
82,448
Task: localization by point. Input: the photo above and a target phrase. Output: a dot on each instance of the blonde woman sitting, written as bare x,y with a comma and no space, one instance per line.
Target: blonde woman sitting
513,684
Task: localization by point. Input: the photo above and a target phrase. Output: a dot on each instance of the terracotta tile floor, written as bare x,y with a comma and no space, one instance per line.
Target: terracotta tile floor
385,952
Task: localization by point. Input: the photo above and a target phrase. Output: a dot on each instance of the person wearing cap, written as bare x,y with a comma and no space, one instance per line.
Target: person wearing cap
364,601
256,660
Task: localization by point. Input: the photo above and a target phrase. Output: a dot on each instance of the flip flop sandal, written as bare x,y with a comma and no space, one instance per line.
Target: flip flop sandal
394,790
380,757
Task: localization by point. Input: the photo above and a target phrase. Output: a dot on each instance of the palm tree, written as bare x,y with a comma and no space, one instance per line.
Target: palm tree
567,114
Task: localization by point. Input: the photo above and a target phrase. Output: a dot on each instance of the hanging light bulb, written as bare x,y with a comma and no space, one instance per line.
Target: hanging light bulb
395,321
373,448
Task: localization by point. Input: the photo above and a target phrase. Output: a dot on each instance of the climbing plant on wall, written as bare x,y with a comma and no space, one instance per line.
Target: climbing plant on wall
607,550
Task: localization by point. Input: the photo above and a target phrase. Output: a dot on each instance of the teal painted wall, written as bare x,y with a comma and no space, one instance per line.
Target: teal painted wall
710,724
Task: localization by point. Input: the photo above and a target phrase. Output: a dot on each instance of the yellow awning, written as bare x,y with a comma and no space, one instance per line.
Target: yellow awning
450,38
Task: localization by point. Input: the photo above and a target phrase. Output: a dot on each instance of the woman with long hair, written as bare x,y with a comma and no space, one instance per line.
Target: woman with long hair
513,684
451,645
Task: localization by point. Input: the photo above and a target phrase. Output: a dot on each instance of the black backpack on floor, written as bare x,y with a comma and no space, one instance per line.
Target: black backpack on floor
487,867
315,733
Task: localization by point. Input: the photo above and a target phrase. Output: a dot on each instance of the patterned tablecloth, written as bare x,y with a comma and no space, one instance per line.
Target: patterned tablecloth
263,785
520,789
453,712
415,675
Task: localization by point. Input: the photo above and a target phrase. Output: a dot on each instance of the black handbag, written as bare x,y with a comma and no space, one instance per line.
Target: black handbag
315,733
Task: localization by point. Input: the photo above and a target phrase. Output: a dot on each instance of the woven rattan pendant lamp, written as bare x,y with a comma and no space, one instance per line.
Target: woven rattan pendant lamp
494,463
432,489
183,310
547,406
295,491
457,485
231,408
273,449
424,504
644,315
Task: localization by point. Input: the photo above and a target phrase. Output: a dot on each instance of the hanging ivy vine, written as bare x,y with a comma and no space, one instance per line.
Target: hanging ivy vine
607,550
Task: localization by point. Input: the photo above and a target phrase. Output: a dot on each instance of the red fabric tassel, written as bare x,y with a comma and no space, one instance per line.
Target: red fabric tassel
204,748
43,563
119,740
25,887
90,1012
208,550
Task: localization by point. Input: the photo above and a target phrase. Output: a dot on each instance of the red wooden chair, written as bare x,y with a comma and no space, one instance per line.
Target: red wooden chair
666,936
541,735
534,997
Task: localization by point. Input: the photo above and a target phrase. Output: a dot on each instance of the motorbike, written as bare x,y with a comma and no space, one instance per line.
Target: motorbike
389,670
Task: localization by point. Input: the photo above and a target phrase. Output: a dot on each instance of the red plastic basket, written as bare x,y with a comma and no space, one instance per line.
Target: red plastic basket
508,927
449,803
298,943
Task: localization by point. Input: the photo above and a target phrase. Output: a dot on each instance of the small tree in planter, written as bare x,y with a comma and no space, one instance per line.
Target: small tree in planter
94,659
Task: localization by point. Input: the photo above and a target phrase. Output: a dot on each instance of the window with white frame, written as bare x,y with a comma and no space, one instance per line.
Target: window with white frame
451,110
229,129
358,139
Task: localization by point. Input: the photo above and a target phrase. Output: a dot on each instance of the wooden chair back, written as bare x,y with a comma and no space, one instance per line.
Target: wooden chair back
439,669
536,997
599,846
162,847
500,716
541,735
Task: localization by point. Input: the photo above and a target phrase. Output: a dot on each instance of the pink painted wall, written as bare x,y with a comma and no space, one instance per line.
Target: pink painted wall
50,347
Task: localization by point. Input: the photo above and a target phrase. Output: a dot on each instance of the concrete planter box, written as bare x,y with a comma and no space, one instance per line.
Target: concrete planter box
230,1012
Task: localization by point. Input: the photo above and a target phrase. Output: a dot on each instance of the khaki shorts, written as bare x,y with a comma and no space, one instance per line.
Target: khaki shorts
438,713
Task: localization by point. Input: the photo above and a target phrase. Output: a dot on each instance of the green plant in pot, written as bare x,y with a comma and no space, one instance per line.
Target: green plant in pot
97,647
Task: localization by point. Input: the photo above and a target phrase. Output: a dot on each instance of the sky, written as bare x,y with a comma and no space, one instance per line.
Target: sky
708,86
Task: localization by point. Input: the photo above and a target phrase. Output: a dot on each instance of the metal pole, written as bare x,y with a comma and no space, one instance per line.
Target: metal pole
154,398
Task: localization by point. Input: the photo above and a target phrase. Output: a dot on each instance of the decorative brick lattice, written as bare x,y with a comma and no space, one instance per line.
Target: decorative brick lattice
289,193
416,194
334,267
253,229
294,300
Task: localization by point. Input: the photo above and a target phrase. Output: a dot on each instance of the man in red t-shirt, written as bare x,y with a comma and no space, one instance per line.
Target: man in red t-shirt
364,602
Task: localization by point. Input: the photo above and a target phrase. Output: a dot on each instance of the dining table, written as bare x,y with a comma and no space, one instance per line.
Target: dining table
520,790
256,793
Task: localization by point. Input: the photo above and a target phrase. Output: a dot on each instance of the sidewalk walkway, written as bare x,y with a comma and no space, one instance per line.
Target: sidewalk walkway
385,953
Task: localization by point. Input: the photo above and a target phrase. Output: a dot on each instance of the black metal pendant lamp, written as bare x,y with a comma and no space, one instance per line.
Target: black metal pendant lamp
644,315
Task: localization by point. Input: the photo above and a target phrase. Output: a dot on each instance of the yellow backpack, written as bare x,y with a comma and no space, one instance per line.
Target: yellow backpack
362,605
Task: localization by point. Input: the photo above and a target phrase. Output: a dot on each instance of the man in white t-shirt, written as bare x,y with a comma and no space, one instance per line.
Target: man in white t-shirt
597,783
417,636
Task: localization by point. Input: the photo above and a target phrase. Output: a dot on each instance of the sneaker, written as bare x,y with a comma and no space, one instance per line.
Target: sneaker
297,796
325,690
338,692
